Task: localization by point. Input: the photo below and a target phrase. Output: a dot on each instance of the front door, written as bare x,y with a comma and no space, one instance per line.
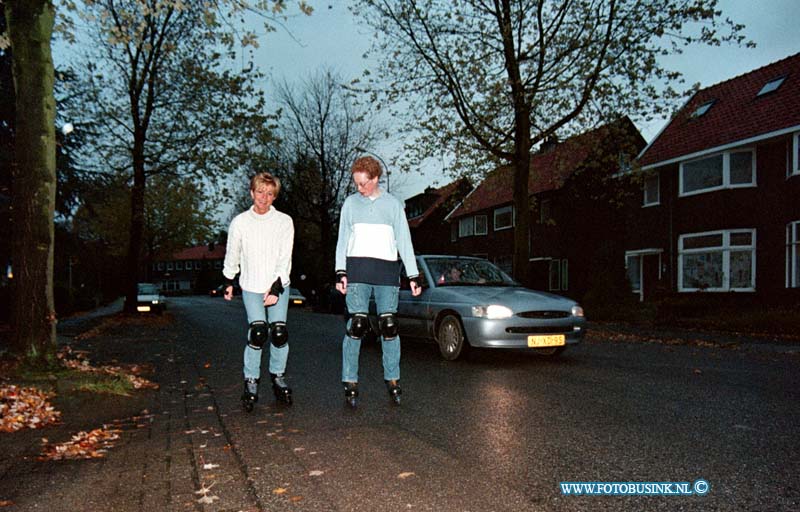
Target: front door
651,275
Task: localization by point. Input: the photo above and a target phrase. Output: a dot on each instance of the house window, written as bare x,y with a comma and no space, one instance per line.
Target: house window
161,265
633,268
169,265
795,160
453,232
718,261
503,218
545,213
772,85
466,227
702,109
793,254
178,265
198,265
481,224
217,264
651,190
725,170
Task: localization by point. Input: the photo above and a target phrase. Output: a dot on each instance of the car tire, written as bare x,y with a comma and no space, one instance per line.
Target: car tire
450,338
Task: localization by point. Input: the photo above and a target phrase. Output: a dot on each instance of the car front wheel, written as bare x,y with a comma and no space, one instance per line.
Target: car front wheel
450,337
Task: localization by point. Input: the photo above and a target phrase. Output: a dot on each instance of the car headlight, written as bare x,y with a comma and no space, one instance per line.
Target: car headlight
577,310
155,301
492,312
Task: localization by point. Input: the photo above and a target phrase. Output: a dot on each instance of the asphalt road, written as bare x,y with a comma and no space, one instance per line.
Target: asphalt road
501,429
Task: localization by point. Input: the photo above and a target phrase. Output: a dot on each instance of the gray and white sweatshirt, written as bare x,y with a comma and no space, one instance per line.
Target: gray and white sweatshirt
371,234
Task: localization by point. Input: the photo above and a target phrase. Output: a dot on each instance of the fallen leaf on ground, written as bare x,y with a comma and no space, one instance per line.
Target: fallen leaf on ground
83,445
207,499
25,408
316,472
405,474
279,490
210,466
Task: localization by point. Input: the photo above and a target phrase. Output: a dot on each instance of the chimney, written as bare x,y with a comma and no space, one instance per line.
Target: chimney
549,144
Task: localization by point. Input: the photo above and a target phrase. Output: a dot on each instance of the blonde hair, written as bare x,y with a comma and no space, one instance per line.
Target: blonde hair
265,178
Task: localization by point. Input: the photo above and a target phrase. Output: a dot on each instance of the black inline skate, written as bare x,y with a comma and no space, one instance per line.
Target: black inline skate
250,395
351,393
283,393
393,387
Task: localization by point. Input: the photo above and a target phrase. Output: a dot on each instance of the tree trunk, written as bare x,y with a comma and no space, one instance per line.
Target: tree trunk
30,26
137,225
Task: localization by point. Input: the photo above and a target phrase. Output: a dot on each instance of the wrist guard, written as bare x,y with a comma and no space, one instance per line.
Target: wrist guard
277,288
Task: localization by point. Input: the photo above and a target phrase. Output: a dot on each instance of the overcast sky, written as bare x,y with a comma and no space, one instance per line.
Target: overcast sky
331,37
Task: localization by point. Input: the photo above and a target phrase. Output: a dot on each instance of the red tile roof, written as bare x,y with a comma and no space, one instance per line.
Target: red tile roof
200,252
443,194
737,114
548,171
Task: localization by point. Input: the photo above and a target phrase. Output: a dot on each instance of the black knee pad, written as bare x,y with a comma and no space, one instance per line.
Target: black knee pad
359,325
280,334
388,325
257,334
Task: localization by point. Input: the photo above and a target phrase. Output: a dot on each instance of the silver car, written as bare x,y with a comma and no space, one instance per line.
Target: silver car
470,301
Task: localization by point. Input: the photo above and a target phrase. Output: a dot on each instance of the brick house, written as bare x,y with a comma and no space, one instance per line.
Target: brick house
719,211
574,210
192,270
426,213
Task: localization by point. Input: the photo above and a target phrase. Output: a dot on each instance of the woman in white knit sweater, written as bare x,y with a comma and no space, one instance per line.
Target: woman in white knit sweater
259,249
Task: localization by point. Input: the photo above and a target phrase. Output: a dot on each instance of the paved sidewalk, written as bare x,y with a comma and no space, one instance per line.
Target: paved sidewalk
163,459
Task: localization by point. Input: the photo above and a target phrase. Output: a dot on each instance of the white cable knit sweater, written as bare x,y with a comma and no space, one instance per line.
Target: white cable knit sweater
260,246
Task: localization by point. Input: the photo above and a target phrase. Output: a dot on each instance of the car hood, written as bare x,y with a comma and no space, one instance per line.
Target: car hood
516,298
147,297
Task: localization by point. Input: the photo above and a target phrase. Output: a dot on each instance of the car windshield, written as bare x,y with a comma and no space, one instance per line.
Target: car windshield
467,272
148,289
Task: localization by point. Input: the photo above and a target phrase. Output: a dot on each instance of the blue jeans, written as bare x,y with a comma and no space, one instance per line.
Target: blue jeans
358,295
254,305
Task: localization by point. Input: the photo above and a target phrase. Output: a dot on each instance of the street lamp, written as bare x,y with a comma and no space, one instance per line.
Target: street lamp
362,150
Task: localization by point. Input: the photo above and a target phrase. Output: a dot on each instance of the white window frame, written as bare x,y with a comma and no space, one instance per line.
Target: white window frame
794,161
501,211
651,201
485,230
792,252
725,248
466,227
726,173
178,265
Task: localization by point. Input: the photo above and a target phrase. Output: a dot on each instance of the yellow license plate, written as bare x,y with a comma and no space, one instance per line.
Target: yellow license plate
142,309
297,301
552,340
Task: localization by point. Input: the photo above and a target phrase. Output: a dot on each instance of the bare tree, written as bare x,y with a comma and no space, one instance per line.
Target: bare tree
321,126
490,79
163,99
